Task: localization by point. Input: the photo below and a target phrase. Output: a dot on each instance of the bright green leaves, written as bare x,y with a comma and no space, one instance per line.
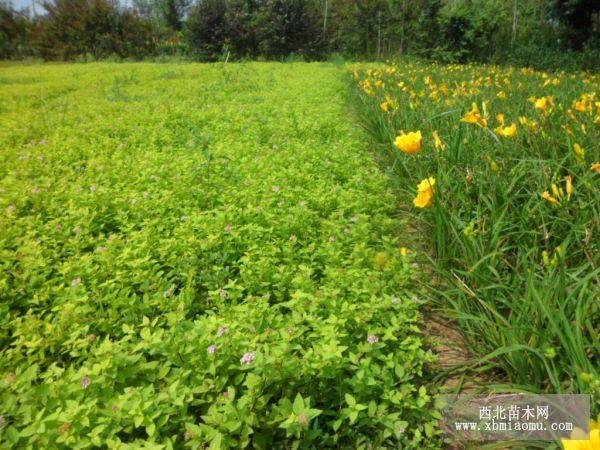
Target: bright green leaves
299,415
353,409
232,212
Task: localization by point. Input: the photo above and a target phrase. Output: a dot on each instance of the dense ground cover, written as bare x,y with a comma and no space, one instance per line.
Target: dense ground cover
200,255
500,168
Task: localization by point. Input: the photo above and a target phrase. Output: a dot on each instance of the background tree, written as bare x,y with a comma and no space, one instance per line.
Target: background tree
543,33
100,28
581,19
206,28
174,12
285,27
14,32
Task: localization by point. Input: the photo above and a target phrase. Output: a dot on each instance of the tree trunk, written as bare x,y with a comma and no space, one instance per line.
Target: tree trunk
325,18
402,28
379,34
514,25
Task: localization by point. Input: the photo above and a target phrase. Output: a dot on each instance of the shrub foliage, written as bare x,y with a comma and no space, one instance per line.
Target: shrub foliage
200,255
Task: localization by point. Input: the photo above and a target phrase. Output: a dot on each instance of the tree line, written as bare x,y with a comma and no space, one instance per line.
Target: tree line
208,30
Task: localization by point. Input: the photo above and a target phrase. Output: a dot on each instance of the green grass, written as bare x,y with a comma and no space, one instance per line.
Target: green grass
143,208
519,274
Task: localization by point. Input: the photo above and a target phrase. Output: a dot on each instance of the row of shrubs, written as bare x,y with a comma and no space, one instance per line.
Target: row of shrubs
543,34
201,264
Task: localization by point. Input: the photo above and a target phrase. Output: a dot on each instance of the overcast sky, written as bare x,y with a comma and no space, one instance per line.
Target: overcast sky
22,4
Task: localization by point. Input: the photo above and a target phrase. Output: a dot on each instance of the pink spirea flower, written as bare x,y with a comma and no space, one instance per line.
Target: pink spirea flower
354,219
222,330
76,282
223,293
85,382
212,349
248,358
372,339
228,227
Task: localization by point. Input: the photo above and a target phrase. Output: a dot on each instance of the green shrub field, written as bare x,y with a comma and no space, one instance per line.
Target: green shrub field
205,256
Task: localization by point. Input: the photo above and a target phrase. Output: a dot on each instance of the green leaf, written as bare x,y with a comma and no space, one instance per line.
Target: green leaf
429,430
215,443
350,400
298,406
12,434
372,408
337,423
353,415
151,429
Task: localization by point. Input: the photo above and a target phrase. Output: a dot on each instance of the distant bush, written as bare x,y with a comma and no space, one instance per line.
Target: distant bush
552,58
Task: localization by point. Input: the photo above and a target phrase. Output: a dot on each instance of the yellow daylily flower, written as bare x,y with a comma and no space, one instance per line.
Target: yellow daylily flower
425,193
579,441
542,104
474,117
569,186
579,152
531,124
409,143
546,196
556,191
439,144
510,131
